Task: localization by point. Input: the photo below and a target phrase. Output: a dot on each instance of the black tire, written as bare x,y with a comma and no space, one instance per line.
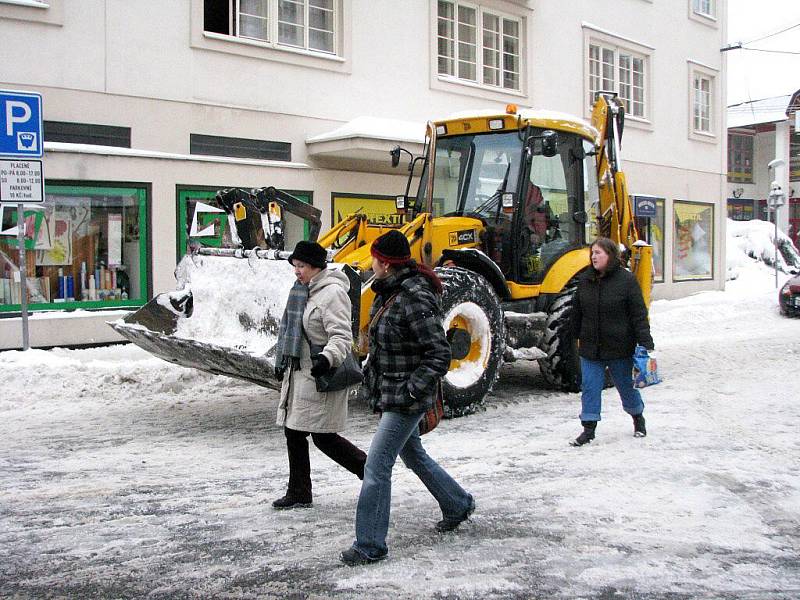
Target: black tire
562,367
469,306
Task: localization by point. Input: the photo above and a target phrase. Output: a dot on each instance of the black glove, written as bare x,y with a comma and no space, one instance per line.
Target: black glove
319,365
278,373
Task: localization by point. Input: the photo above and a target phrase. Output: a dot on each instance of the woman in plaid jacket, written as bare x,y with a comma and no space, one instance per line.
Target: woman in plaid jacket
409,353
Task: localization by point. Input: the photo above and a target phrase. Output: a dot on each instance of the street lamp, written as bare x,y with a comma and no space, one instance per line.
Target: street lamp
774,202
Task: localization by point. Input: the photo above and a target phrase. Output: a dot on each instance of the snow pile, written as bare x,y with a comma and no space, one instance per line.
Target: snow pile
237,302
751,241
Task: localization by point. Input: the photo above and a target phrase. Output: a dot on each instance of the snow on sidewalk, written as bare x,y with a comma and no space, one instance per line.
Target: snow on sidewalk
125,476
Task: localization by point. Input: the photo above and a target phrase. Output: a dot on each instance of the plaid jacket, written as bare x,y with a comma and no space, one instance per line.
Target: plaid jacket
409,352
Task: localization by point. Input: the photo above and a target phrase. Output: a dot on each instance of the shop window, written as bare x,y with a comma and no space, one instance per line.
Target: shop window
203,224
740,210
478,45
214,145
85,248
693,241
304,24
740,158
652,230
794,156
86,133
613,68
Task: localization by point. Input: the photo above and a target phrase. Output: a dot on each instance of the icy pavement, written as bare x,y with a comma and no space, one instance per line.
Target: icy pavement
122,476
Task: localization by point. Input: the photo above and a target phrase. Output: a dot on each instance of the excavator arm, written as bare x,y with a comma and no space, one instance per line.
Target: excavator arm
616,218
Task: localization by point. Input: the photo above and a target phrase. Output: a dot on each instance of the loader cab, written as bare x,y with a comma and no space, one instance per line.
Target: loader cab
530,187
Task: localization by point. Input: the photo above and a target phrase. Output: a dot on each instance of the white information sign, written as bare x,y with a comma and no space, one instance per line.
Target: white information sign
21,181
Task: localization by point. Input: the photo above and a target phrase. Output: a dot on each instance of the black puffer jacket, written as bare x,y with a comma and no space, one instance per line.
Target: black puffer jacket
609,315
408,348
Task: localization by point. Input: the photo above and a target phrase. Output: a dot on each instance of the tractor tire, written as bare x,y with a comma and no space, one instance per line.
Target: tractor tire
562,367
476,330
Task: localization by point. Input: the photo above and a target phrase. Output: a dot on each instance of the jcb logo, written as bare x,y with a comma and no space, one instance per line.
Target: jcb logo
465,236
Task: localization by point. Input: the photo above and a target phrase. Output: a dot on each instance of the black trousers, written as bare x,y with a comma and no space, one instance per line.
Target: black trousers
332,445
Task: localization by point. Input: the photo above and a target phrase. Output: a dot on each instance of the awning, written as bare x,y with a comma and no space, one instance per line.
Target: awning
363,144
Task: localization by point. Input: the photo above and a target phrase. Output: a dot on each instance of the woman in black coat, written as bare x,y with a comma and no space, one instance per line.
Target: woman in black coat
609,319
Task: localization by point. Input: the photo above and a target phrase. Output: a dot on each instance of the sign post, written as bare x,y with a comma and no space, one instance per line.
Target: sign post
21,179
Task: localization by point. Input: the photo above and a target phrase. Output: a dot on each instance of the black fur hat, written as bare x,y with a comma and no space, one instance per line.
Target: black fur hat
310,253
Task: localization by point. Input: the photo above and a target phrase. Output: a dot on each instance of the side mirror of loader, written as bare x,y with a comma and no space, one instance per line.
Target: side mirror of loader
395,154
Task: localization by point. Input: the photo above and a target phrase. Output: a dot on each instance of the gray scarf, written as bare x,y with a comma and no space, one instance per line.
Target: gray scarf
290,333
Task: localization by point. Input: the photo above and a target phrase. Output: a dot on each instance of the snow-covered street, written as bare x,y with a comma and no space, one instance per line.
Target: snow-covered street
122,476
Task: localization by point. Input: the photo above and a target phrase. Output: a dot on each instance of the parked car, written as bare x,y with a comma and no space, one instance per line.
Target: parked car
789,297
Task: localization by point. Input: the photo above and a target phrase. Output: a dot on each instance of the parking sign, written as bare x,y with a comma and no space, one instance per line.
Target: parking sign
20,124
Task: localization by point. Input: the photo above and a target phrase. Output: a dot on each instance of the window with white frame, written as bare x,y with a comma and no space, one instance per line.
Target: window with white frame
478,45
612,68
304,24
702,90
704,8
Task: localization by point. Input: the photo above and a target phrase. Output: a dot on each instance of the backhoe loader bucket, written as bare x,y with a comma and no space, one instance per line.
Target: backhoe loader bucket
224,317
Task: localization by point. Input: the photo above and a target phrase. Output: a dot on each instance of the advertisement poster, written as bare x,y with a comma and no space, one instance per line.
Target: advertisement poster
60,251
114,240
694,239
380,210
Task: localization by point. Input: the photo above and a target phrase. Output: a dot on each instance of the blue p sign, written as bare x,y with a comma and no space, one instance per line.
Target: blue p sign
20,124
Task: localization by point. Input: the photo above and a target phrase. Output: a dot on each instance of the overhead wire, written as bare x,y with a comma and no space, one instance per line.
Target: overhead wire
769,35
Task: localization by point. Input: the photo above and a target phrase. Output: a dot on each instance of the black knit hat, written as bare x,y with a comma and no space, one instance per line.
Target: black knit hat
310,253
392,247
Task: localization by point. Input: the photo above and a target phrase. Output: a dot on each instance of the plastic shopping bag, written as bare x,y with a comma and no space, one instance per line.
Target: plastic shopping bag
645,369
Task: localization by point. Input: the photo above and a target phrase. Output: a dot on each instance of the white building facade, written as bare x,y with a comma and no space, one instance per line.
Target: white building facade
152,106
764,150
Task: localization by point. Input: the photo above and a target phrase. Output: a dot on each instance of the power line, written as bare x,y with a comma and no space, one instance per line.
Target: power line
769,35
771,51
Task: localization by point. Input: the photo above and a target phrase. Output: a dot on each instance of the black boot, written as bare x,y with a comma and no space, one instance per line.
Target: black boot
639,429
587,435
298,492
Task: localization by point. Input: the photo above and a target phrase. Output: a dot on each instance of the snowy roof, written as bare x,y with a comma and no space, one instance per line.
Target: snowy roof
375,128
766,110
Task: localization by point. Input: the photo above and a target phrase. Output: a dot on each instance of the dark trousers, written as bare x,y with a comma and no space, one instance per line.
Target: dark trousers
332,445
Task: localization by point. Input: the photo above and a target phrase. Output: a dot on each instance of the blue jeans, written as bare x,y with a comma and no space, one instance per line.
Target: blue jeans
593,374
398,434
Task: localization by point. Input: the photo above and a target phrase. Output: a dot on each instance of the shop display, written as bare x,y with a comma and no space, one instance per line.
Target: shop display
84,248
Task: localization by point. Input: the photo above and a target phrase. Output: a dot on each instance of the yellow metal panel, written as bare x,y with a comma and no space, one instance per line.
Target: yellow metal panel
565,269
453,232
473,125
642,265
520,291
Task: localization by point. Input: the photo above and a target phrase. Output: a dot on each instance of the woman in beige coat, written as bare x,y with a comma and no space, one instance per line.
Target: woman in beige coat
318,313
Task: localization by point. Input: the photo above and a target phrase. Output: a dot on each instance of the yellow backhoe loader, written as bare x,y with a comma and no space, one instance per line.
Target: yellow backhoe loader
506,205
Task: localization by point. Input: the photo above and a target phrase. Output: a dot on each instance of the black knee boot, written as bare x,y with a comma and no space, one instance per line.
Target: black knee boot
298,492
587,435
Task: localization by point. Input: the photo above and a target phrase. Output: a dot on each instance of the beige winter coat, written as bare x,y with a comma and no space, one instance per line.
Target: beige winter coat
326,321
